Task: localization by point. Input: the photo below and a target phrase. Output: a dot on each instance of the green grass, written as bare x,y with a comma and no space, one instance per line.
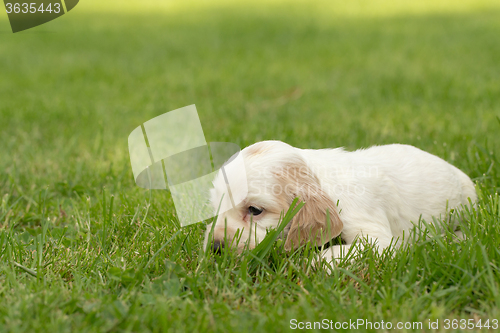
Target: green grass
83,249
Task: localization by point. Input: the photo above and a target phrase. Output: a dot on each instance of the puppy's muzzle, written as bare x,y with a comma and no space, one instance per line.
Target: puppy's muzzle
217,247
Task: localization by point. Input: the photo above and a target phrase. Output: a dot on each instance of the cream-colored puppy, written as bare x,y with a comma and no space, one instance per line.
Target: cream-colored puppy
376,193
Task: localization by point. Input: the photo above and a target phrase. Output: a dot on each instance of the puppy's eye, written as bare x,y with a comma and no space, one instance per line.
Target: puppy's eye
254,210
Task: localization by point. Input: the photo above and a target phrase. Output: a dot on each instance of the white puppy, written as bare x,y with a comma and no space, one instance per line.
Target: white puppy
376,193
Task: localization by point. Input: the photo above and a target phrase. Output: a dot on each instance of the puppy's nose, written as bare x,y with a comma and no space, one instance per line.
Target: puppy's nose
217,247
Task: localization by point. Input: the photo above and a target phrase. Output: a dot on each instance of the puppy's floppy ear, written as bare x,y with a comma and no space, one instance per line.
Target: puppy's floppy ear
317,221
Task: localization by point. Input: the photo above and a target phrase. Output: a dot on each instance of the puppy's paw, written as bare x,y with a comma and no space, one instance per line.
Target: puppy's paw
329,258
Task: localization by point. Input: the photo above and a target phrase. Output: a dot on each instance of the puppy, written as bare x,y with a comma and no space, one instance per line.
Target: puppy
375,194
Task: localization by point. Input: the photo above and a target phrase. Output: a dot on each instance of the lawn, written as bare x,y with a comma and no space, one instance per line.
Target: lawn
83,249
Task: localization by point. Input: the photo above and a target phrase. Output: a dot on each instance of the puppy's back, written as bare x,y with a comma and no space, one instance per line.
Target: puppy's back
423,180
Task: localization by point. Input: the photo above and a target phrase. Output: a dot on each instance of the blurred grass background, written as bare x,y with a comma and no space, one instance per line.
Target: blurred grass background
315,74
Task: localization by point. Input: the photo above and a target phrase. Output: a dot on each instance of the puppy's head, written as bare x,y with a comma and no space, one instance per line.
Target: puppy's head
275,175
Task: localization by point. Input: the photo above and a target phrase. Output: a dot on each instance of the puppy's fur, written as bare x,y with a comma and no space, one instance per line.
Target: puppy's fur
376,193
